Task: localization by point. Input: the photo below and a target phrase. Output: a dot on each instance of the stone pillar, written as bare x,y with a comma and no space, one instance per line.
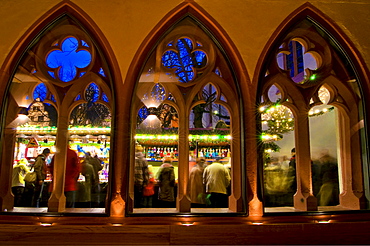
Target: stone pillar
183,203
6,196
303,199
352,196
236,198
57,200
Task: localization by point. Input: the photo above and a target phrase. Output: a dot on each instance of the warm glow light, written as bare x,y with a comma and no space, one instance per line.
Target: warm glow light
22,117
117,224
323,221
45,224
257,223
187,223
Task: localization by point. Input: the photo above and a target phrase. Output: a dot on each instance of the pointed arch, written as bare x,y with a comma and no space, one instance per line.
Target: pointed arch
195,13
182,10
338,48
322,20
62,8
67,10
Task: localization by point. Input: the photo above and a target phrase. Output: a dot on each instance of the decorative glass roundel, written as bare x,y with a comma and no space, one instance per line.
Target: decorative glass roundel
67,59
184,59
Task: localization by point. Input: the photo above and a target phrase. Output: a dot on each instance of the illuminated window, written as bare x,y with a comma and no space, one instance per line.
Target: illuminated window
161,103
304,149
69,55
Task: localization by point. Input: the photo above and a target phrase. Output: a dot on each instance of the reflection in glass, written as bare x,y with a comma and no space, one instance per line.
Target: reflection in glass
278,155
297,61
324,151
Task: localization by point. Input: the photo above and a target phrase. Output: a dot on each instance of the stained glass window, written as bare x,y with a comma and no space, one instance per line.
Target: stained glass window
184,60
67,59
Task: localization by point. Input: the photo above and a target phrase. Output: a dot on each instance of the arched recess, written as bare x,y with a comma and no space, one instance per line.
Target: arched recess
183,95
339,66
68,24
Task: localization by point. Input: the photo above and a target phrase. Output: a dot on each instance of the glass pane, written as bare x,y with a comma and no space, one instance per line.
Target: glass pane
184,60
89,129
209,155
323,134
297,61
53,58
35,139
68,58
278,155
156,158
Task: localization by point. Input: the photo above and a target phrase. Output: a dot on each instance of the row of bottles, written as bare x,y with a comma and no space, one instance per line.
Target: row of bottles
157,153
214,152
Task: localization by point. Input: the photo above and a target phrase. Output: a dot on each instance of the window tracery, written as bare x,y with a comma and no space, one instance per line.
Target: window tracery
303,80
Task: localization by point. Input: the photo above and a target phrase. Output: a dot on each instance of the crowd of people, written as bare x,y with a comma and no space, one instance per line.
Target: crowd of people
31,193
281,181
208,185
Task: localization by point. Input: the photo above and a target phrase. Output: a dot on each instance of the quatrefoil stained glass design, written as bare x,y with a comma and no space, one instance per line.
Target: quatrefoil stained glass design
184,60
67,59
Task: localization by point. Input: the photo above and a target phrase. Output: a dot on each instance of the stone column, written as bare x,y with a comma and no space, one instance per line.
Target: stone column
183,204
57,200
6,196
303,199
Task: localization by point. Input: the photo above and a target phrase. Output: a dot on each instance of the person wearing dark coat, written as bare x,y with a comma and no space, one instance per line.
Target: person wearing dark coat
166,182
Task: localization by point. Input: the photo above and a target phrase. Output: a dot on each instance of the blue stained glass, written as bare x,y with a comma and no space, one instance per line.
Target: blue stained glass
158,93
104,97
68,59
40,92
51,74
27,97
84,43
78,97
200,57
82,73
92,93
143,113
184,60
298,56
53,98
170,97
290,62
218,72
101,72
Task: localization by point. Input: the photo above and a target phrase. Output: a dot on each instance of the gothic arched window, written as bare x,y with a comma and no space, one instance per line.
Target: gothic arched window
62,82
184,113
309,101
